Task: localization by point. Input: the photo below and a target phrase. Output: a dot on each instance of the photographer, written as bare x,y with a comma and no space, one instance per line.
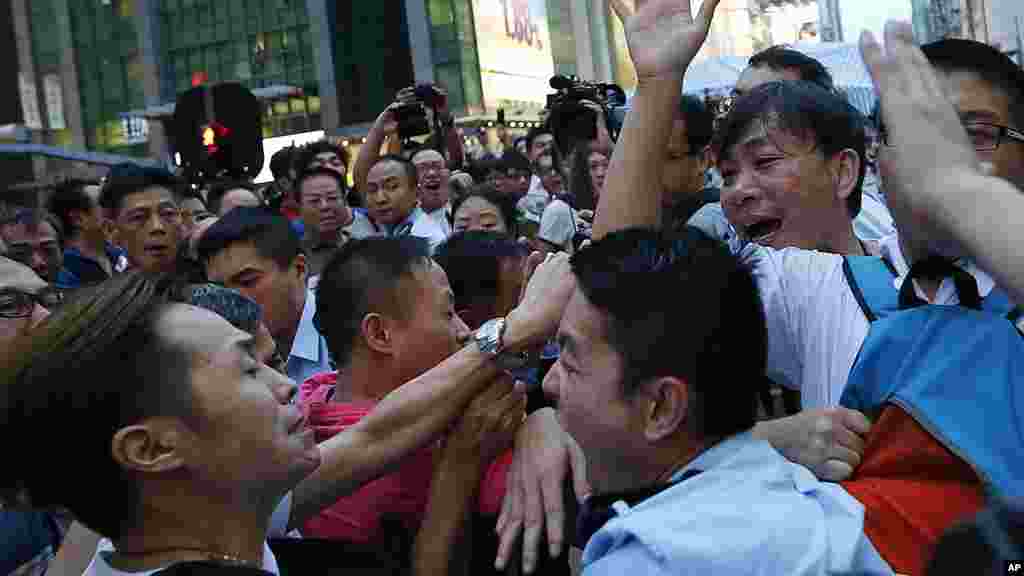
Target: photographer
400,121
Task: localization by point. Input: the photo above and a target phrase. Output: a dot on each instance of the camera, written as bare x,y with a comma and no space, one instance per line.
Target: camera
571,120
412,114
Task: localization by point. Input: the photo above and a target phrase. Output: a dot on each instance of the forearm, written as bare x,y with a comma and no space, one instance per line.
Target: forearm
979,213
444,542
456,156
632,194
368,155
405,420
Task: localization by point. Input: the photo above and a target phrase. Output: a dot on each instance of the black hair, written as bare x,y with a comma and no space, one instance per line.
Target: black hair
700,123
534,133
215,195
513,159
124,180
405,163
506,204
362,277
471,261
805,110
781,58
680,304
282,163
308,173
308,153
985,544
987,63
68,198
269,232
31,218
113,324
581,189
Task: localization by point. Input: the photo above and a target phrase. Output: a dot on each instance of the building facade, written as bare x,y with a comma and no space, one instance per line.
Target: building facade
103,75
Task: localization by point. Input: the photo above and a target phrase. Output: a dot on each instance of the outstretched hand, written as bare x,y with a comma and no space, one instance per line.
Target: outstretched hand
928,146
663,35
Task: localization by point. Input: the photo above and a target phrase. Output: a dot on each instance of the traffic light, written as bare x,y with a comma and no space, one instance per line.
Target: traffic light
216,131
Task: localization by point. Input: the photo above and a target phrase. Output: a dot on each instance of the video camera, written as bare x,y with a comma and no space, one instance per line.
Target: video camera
571,120
412,114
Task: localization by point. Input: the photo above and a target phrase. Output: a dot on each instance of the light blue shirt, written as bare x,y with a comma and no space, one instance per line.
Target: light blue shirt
750,511
309,354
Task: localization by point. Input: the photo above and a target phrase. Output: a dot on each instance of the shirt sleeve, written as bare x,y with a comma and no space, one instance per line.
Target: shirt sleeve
630,558
556,224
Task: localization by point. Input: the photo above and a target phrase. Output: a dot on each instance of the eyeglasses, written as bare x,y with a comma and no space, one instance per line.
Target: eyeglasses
15,303
984,137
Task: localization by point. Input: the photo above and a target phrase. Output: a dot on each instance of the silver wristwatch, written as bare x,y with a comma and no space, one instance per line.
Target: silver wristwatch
490,340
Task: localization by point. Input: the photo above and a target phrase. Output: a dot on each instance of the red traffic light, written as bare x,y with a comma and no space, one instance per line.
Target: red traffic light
213,133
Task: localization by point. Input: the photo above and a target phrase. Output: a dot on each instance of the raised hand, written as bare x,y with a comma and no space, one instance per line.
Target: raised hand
928,147
663,35
830,442
544,299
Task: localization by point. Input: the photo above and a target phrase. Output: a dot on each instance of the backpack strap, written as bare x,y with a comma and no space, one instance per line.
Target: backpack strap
871,281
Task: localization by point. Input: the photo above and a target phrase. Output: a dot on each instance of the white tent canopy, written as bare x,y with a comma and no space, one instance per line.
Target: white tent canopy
717,76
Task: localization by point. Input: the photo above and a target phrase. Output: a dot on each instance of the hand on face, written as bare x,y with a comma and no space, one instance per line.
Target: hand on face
663,35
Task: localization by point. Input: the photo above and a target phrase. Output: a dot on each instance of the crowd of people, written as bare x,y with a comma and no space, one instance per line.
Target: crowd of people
562,359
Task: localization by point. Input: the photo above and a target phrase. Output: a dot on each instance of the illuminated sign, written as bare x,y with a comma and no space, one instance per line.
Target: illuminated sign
514,49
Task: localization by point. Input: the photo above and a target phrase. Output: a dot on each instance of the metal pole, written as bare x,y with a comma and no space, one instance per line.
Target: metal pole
1020,44
77,156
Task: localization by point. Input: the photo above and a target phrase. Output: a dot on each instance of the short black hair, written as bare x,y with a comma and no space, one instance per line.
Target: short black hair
31,218
470,259
535,132
110,324
987,63
282,163
700,123
308,173
806,110
680,304
268,231
124,180
513,159
69,197
405,163
781,58
309,151
218,190
362,277
505,203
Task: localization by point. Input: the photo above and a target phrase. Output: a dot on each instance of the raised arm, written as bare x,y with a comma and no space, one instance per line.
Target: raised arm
932,175
417,412
385,126
663,38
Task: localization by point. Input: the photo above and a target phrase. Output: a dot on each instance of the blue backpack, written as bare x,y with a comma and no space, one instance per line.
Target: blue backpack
959,372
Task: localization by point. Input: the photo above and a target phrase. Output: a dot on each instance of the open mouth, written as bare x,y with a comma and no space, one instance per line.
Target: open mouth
759,231
157,251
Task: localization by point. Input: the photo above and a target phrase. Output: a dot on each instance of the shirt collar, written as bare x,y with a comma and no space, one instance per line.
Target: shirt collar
307,340
889,249
408,222
715,455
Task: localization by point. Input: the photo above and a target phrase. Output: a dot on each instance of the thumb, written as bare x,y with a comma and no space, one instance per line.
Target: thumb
622,10
856,421
578,464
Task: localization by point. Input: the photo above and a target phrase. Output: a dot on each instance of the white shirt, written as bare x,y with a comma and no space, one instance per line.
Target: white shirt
749,511
558,225
815,326
423,226
100,566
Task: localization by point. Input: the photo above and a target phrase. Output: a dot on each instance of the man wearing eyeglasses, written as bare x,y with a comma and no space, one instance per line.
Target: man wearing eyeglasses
142,203
25,299
34,238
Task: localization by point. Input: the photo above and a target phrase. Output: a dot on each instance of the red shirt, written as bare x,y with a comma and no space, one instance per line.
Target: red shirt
403,494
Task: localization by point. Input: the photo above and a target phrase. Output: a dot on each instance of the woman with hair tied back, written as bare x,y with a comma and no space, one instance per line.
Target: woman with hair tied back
191,447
